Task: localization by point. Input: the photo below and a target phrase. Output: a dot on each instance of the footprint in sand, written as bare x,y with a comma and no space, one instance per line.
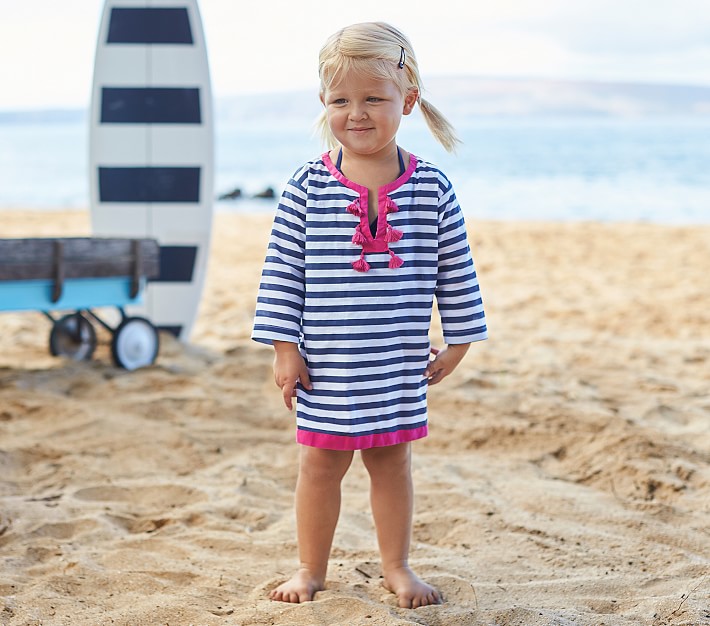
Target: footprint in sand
154,497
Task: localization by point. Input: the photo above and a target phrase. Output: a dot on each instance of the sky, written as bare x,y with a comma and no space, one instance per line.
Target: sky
47,46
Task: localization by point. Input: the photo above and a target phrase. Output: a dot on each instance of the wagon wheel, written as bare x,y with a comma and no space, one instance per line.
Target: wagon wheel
72,336
135,343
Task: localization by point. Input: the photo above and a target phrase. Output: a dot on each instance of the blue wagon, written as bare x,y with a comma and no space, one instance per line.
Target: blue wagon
78,275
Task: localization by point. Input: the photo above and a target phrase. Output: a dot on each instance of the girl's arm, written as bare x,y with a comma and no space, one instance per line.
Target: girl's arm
457,292
279,303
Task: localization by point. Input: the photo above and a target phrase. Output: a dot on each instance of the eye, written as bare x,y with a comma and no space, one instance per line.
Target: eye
339,101
374,99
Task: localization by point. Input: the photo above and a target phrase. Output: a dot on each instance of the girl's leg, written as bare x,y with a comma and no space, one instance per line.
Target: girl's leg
317,508
392,499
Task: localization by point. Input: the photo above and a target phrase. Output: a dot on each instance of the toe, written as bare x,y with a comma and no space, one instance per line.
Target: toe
405,602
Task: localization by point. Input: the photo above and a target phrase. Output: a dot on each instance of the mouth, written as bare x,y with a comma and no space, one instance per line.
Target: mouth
359,130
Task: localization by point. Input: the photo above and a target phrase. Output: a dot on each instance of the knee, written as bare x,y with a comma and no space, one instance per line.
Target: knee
388,461
324,466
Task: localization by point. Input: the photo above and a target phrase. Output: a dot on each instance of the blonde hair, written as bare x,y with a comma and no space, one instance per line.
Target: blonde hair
377,50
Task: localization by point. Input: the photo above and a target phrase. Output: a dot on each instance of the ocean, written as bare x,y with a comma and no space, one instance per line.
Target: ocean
653,169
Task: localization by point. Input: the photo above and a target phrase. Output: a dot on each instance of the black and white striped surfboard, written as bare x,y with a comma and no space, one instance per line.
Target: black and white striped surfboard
151,153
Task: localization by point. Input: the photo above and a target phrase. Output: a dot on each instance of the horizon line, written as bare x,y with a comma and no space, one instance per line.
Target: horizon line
72,108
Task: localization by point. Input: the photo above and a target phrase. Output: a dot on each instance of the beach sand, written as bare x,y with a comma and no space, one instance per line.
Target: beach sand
566,479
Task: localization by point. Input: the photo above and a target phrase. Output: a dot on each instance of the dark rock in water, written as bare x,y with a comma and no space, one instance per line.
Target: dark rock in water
231,195
267,193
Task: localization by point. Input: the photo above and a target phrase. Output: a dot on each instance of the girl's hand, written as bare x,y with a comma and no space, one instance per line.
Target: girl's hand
289,369
445,362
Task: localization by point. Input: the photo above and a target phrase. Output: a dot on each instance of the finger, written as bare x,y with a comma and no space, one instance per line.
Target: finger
305,379
287,391
435,377
434,350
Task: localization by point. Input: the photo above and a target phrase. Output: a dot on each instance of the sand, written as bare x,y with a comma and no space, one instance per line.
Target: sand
566,479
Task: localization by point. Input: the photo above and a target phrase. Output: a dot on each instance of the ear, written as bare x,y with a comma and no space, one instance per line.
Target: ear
410,100
322,98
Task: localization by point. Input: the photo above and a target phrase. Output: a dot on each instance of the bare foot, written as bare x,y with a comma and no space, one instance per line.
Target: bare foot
300,588
411,591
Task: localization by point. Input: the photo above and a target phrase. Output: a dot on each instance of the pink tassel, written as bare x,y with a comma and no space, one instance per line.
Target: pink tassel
361,265
355,208
393,234
358,237
390,206
395,261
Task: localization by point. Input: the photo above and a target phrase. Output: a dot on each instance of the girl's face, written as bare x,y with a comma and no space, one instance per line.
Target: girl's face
364,113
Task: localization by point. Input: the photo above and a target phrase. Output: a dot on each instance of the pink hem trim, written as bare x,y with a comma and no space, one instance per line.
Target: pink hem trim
376,440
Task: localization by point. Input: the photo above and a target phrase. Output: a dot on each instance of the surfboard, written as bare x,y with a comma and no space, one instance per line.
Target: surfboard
151,147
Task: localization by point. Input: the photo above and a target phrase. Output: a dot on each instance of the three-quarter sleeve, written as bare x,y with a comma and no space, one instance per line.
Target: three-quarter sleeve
279,305
458,294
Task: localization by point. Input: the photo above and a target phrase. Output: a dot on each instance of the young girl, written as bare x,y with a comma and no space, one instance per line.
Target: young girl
363,239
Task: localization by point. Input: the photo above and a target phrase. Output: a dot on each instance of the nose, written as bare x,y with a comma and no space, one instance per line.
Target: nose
357,112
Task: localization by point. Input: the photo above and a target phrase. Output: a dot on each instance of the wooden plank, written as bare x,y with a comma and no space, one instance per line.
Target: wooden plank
28,259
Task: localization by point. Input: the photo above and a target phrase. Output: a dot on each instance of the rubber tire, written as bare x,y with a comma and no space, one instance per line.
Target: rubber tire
135,343
72,337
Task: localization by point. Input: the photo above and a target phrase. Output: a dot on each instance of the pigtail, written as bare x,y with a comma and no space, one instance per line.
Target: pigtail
439,126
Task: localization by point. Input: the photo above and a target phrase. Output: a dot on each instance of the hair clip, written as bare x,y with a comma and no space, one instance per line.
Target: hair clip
402,58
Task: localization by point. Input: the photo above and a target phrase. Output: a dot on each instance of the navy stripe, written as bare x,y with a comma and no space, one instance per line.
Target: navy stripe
284,251
362,406
399,249
444,306
359,365
347,267
376,378
460,319
375,390
457,293
408,332
149,25
274,331
149,184
354,308
277,274
369,349
399,292
371,277
150,105
462,333
177,264
295,291
265,313
340,321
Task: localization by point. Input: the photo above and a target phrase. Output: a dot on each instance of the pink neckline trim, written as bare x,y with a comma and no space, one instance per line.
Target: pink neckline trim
397,182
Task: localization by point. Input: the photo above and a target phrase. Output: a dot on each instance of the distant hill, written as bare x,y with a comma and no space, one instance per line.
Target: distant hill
464,97
484,96
43,116
461,98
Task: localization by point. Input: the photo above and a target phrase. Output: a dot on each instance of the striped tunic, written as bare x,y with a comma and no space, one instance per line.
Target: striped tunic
364,334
